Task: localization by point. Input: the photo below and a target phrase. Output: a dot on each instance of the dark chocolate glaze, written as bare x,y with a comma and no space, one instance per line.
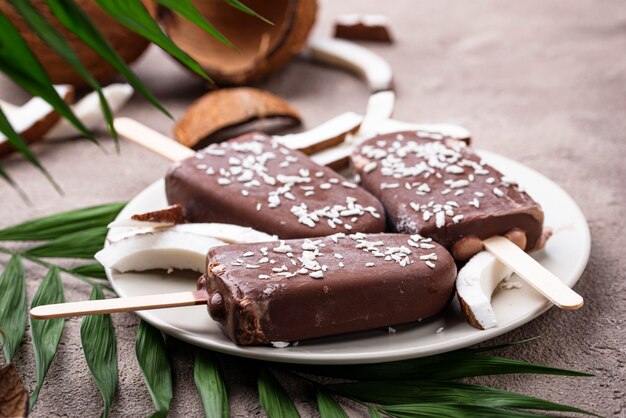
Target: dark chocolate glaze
239,181
257,301
411,173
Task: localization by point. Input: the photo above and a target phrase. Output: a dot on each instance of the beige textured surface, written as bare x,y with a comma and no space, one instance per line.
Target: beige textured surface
541,82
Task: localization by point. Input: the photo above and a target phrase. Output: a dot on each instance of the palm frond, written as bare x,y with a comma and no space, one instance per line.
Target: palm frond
18,63
57,42
133,15
76,21
240,6
18,143
186,9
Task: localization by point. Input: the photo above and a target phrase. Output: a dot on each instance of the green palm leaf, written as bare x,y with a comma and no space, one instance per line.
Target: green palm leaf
77,22
12,306
239,5
448,366
405,392
328,407
57,42
95,270
186,9
63,223
134,16
18,63
46,333
81,244
16,140
98,340
274,400
155,366
210,384
11,182
428,410
373,412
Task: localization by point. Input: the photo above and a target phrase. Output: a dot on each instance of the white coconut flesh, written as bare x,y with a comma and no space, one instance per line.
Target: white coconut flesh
231,234
24,117
88,110
475,284
182,246
367,64
158,250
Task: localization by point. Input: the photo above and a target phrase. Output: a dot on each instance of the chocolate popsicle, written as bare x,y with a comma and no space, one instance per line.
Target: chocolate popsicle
298,289
254,181
439,188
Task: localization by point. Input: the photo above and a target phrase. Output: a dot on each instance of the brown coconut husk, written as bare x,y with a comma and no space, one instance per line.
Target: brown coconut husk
227,108
264,48
128,44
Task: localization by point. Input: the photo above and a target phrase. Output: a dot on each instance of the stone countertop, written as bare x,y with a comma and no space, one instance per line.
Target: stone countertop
541,82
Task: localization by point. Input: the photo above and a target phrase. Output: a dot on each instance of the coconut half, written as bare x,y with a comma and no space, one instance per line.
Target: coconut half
181,246
228,108
128,44
263,47
475,284
33,119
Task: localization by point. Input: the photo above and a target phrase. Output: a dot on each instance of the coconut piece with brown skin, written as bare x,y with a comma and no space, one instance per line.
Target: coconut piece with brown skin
263,48
127,43
33,119
172,214
368,27
227,108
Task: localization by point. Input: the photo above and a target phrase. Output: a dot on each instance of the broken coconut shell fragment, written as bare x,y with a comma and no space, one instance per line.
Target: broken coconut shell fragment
262,47
368,27
228,108
34,119
172,215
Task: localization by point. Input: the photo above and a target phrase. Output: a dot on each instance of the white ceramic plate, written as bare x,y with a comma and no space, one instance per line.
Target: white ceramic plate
566,255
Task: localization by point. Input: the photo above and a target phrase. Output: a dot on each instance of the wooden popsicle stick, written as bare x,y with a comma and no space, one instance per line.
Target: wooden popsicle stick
319,138
129,304
533,273
152,140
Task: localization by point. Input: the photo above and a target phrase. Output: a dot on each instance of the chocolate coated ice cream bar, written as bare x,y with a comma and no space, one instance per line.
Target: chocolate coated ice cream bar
439,188
254,181
299,289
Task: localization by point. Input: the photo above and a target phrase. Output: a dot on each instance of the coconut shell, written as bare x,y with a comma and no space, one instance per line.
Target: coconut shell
38,128
128,44
227,108
264,48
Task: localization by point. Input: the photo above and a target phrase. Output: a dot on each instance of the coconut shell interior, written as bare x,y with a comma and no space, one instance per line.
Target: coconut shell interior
255,39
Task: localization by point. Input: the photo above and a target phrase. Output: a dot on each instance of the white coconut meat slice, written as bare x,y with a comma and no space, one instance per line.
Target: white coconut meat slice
328,134
372,67
475,284
231,234
228,233
338,156
88,111
161,249
33,119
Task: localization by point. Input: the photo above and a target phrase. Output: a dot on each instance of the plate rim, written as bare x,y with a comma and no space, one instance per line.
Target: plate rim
305,357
